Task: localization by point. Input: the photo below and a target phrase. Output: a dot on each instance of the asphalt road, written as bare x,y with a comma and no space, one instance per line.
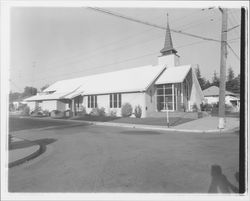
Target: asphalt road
85,158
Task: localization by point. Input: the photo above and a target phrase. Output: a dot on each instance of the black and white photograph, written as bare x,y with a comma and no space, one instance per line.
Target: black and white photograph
124,100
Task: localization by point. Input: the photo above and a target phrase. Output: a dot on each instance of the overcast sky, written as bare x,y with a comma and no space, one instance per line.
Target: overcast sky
51,44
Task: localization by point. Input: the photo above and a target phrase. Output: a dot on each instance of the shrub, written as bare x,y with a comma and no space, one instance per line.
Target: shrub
126,110
195,107
138,111
46,113
206,107
26,111
113,113
57,114
81,111
68,113
98,111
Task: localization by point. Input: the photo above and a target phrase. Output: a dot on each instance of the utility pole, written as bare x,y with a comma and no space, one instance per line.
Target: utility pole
223,69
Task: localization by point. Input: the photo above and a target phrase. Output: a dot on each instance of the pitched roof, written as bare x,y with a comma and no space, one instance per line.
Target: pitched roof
215,91
174,74
53,96
129,80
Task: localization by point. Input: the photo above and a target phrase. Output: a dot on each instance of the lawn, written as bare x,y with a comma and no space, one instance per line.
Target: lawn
159,121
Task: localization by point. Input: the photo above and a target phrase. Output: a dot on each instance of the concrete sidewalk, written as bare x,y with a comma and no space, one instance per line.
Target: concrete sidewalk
209,123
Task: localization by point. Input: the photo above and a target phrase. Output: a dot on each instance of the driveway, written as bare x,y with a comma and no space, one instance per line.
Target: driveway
85,158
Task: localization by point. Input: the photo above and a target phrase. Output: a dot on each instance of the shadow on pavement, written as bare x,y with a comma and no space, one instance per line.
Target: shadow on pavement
135,132
68,126
220,183
26,143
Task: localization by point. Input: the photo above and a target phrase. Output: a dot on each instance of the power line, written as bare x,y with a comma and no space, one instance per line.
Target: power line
150,24
108,44
233,52
233,28
121,62
91,55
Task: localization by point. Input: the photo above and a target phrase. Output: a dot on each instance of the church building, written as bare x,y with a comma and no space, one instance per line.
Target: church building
165,86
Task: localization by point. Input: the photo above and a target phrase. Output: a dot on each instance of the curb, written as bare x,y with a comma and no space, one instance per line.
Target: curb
147,127
137,126
42,149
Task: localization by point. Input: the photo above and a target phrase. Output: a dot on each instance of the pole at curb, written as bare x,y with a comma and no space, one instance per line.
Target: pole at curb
223,59
167,115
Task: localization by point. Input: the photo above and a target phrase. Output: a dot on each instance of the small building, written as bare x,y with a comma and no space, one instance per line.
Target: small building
211,96
166,86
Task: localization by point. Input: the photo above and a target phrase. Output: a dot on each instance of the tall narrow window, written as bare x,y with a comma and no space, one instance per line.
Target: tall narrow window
92,101
95,101
120,101
115,100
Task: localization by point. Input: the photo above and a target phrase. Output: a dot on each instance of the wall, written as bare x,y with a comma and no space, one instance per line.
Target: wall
171,60
150,101
31,105
49,105
215,99
135,99
61,106
211,99
132,98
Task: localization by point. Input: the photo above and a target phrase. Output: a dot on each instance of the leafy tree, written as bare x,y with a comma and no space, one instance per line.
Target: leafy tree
29,91
16,96
215,80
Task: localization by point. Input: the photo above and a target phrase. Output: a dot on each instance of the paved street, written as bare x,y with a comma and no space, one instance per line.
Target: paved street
85,158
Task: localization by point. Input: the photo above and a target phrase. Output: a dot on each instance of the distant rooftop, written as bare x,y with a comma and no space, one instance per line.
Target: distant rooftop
215,91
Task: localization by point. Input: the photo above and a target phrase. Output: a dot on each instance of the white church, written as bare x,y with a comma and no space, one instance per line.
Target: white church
167,85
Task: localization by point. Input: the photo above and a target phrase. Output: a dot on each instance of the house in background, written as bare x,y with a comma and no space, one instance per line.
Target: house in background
211,95
166,86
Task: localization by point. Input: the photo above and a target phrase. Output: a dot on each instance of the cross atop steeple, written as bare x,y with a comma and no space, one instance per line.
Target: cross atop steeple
168,46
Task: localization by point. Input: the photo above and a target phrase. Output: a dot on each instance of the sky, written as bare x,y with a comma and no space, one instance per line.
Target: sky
51,44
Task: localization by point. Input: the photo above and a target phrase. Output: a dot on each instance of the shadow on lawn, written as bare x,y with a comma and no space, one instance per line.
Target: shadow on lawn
26,143
220,183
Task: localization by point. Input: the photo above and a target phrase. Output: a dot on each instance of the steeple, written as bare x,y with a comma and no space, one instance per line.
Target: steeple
168,46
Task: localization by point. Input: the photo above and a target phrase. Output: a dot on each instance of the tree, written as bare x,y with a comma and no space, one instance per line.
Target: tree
215,80
29,91
207,84
234,85
16,96
201,80
230,75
